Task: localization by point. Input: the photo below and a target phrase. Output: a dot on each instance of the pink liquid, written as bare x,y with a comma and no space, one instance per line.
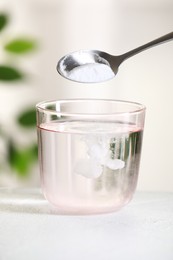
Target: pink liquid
89,167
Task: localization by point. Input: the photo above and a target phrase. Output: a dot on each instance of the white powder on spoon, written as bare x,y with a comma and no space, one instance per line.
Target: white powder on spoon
91,73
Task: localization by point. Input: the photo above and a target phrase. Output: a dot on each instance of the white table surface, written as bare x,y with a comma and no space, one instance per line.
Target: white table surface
31,229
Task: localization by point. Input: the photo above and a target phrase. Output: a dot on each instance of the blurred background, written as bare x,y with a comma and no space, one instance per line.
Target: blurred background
35,34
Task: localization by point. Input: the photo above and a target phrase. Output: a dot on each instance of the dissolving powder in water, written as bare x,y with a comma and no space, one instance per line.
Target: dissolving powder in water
91,73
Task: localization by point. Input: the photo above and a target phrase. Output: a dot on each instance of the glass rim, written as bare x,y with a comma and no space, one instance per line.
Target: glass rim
40,106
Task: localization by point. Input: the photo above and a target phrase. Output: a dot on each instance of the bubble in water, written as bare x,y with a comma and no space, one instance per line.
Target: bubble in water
115,164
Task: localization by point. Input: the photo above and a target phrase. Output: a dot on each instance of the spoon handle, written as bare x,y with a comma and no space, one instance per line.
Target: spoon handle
146,46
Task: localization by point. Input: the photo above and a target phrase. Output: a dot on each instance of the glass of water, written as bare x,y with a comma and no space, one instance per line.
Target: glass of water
89,153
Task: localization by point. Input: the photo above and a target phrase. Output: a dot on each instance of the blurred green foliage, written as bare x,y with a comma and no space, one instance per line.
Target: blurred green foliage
27,118
20,159
3,20
8,73
20,46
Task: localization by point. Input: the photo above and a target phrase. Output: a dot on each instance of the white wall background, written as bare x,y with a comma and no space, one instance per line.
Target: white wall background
115,26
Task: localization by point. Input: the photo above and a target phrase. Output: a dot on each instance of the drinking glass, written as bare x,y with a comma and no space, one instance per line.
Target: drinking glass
89,153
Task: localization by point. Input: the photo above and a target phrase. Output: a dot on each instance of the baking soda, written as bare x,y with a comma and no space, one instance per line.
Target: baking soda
91,73
86,68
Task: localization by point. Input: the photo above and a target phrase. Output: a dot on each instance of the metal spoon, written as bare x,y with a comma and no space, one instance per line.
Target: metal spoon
91,59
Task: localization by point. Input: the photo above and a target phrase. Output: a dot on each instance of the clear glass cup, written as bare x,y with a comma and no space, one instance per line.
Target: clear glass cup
89,153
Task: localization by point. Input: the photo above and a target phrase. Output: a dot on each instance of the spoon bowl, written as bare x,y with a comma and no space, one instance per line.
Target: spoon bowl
86,66
92,66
